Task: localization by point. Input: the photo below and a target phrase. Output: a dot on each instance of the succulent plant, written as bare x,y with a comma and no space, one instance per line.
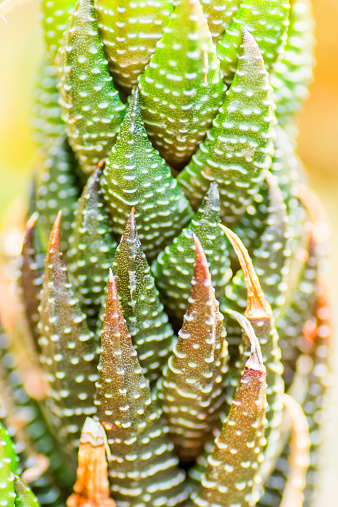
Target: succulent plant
173,310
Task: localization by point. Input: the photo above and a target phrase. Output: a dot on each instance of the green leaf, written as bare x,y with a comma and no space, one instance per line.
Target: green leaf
7,494
146,320
319,382
174,268
232,467
91,106
92,249
219,14
55,14
57,191
191,388
267,21
144,468
26,422
9,449
47,122
181,89
129,31
293,73
30,280
24,495
270,259
291,322
287,168
69,355
236,153
136,176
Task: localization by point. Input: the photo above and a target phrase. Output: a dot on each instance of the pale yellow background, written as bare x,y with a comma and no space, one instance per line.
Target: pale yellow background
20,47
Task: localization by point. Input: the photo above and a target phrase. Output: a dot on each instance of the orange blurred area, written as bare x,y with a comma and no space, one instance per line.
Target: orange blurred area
21,48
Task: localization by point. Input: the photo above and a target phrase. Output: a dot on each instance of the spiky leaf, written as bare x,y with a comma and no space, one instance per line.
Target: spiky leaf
236,151
91,106
259,314
68,350
136,176
57,191
92,248
30,280
181,89
230,476
174,267
146,320
144,467
192,381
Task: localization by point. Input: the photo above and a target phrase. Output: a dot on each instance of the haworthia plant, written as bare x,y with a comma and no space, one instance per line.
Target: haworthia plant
91,106
237,150
157,122
181,89
136,176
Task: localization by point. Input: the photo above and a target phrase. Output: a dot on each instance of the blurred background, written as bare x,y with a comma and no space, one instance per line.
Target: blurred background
21,45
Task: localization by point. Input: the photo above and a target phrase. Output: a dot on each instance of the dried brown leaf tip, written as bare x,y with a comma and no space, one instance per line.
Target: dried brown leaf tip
257,306
91,488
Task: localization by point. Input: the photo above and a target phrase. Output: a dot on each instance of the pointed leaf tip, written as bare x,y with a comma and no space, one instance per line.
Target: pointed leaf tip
201,264
255,361
111,277
31,222
54,239
131,228
257,306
